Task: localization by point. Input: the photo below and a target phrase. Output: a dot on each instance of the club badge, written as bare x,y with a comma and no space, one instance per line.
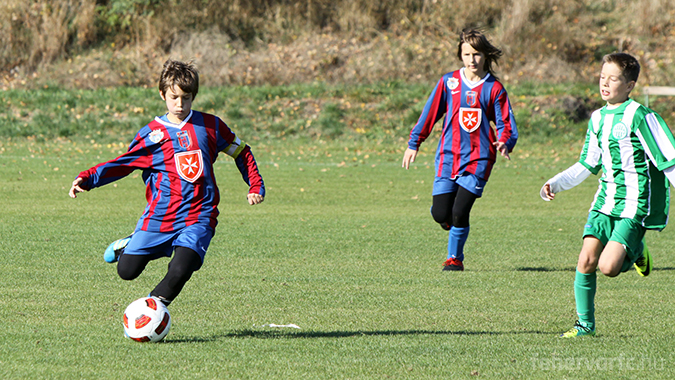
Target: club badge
620,131
471,98
184,139
453,83
470,118
156,136
189,165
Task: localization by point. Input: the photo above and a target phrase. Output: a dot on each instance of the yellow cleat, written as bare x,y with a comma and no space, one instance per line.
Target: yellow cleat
578,330
643,265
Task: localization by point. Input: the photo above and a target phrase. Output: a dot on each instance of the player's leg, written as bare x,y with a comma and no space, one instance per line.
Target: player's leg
190,248
441,209
597,233
184,263
131,266
142,248
612,259
459,232
585,285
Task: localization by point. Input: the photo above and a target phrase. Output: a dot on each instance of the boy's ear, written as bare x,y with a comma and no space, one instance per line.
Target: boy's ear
631,85
161,93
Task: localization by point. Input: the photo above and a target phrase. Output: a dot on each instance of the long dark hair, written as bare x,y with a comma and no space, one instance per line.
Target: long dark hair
478,41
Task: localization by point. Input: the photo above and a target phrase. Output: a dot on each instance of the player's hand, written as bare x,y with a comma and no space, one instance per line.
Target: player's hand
75,188
254,199
409,157
546,193
501,147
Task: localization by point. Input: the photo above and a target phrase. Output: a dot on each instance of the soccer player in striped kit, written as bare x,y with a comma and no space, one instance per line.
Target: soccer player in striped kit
636,152
470,98
176,153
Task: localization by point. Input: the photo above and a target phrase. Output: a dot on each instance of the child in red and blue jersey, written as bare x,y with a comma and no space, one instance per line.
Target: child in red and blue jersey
470,98
176,153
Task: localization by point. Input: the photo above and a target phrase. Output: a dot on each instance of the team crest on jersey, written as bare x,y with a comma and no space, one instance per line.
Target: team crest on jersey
189,165
156,136
620,131
470,118
184,139
471,97
453,83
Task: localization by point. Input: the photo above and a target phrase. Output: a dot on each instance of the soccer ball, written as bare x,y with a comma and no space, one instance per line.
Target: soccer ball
146,320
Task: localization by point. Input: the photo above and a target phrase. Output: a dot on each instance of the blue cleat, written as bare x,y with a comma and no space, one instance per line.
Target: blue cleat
114,250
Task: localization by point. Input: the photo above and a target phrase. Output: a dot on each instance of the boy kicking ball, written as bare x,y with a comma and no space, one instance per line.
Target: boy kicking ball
176,153
636,152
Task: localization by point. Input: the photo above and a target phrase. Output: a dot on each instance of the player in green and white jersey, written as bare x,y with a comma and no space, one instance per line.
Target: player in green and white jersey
636,151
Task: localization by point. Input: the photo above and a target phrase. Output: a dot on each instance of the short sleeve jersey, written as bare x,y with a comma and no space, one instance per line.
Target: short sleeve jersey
632,145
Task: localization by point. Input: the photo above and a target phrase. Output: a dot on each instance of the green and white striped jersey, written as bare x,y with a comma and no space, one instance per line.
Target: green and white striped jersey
632,144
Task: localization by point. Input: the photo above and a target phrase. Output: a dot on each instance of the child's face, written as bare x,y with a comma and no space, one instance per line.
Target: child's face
473,60
178,103
614,87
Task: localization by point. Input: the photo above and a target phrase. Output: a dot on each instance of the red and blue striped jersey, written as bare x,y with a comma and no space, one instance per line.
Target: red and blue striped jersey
177,163
466,143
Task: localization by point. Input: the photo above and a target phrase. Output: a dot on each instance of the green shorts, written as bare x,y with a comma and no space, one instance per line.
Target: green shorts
627,232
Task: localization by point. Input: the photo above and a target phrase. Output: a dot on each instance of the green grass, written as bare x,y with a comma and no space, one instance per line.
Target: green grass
344,247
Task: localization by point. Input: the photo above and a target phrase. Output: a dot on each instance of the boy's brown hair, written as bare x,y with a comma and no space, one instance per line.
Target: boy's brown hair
629,65
181,74
479,41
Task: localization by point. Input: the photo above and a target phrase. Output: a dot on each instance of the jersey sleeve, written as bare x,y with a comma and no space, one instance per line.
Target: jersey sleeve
138,156
505,122
231,145
434,109
591,153
657,140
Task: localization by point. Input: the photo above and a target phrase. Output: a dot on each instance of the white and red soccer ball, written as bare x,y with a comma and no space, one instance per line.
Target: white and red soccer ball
146,320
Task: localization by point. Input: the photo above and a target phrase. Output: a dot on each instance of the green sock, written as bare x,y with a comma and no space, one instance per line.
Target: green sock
584,294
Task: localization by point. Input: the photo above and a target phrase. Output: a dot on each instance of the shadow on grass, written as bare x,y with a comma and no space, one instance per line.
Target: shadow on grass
279,334
544,269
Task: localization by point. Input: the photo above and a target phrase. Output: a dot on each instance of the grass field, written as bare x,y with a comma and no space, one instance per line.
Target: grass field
343,247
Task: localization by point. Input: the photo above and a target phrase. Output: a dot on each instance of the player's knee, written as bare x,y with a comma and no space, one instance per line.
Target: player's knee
460,220
439,214
128,273
608,269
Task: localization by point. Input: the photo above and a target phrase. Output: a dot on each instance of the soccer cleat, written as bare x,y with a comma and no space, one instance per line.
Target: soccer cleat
453,265
114,250
643,265
578,330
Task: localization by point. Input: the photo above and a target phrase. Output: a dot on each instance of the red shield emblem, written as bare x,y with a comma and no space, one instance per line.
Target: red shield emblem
189,165
471,97
470,118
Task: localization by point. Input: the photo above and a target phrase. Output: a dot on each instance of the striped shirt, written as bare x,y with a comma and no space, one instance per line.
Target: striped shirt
177,162
466,143
632,145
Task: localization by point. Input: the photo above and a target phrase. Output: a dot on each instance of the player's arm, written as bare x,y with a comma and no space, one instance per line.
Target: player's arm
434,109
231,145
139,156
564,180
589,163
505,124
658,142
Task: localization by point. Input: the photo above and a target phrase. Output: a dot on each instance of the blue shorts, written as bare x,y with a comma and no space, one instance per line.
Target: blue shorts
161,244
468,181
